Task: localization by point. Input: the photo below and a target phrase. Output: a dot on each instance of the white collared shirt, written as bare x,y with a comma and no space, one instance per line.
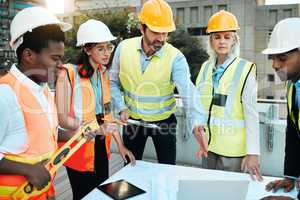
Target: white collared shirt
13,136
249,99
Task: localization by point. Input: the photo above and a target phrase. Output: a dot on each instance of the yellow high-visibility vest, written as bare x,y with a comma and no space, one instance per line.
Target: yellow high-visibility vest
290,92
224,107
150,95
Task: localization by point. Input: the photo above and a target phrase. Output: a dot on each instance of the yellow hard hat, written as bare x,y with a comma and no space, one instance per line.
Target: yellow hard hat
158,16
222,21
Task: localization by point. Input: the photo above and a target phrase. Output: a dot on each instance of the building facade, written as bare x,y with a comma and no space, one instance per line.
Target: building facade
8,9
256,21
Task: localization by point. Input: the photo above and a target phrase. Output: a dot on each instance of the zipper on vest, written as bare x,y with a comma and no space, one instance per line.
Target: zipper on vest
211,103
209,115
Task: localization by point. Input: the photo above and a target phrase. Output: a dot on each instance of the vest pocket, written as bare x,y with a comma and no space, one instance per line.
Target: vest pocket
219,100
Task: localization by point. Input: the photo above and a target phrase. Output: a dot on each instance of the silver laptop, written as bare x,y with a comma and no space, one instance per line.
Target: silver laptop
212,190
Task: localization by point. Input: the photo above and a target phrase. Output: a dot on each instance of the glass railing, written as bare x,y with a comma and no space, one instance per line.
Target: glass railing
272,123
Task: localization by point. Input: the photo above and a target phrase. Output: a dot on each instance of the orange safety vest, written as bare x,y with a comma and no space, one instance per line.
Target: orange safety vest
83,106
42,136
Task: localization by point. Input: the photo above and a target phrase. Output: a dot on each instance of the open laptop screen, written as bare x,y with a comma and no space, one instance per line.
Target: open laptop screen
212,190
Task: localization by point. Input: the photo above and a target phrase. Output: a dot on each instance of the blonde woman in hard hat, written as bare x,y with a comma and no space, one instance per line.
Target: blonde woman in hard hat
28,128
83,94
284,50
228,89
147,69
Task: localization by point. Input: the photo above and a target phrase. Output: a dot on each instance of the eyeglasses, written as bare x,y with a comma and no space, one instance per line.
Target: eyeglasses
109,48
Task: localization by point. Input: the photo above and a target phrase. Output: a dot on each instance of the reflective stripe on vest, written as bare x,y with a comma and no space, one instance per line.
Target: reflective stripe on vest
42,135
226,123
149,95
290,103
83,107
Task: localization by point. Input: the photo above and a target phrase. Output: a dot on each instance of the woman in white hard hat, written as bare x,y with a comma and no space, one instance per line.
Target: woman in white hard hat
83,94
228,88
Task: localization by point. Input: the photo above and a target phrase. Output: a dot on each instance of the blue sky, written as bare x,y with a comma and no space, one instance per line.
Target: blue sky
282,1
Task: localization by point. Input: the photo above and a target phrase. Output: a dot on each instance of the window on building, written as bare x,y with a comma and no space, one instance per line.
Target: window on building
270,97
271,77
270,32
2,43
3,3
199,31
287,13
194,15
4,25
194,31
180,15
273,17
4,12
207,12
282,97
222,7
12,13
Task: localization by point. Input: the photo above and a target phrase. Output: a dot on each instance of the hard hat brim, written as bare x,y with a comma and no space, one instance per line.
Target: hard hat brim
63,27
209,31
161,29
79,44
272,51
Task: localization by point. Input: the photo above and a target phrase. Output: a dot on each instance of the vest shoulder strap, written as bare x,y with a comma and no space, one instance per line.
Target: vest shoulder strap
70,73
251,66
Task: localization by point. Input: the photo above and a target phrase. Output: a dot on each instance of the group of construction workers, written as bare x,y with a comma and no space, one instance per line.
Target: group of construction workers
221,108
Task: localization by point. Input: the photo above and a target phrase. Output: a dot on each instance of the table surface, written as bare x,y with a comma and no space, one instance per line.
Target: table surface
160,181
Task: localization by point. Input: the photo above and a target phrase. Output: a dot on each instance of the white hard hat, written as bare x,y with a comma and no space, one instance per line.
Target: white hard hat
93,31
30,18
284,37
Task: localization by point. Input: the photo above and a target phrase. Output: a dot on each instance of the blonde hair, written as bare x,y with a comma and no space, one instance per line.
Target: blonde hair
234,51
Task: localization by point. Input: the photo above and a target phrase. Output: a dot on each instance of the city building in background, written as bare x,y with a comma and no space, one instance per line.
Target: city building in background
8,9
255,18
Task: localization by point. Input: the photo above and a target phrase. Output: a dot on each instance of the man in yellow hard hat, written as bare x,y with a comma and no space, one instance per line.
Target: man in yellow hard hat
284,50
147,69
228,91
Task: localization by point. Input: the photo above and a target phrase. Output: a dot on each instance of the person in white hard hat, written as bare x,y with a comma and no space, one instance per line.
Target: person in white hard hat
28,128
284,50
83,94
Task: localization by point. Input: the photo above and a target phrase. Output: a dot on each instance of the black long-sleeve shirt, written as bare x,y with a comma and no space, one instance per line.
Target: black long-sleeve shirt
292,150
292,145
